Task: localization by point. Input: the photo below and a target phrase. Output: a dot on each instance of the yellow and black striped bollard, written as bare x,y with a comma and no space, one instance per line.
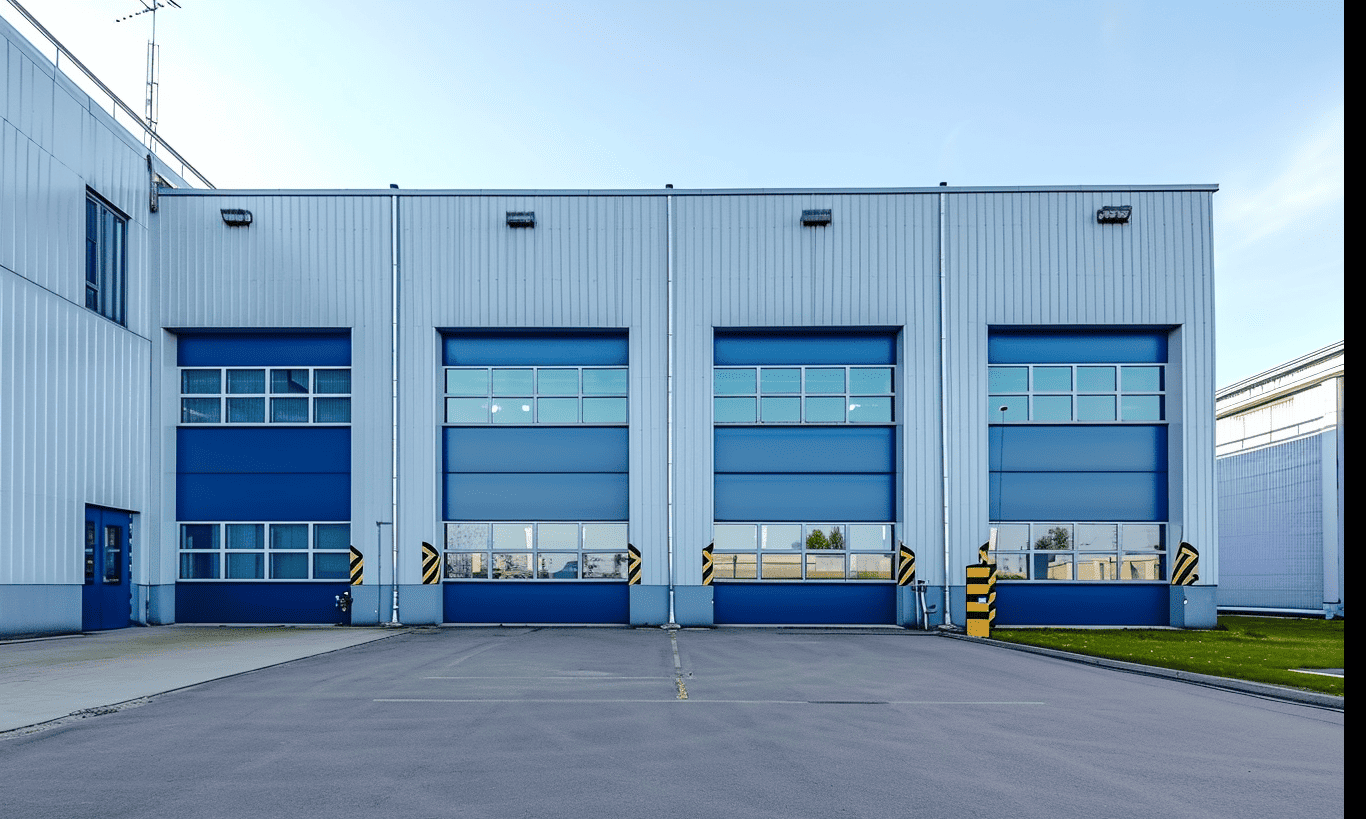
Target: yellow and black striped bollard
357,567
632,566
707,568
1187,563
905,575
981,595
431,565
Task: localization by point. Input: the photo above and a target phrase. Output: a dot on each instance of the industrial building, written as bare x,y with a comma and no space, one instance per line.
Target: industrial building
1280,464
634,407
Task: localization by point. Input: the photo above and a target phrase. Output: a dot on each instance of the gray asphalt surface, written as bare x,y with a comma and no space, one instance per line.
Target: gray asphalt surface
590,723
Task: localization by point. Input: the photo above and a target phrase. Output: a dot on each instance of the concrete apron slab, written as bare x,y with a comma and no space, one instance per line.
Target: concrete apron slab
43,680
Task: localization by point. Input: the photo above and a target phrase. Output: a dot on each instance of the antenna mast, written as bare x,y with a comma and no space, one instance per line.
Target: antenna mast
151,109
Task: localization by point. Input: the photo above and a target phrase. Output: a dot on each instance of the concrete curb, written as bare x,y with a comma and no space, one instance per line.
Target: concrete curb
1274,692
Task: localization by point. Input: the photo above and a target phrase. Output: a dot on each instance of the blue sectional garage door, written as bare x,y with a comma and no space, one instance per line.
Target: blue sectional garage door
805,454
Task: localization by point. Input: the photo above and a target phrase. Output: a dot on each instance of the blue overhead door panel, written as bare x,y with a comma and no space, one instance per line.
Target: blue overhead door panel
804,347
259,473
1096,473
258,348
1134,346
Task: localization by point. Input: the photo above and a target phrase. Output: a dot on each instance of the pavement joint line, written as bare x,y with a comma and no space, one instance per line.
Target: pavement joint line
1267,691
1320,673
544,677
678,666
136,702
974,703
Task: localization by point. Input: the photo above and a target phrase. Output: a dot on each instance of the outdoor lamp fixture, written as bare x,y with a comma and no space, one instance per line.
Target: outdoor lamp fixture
1114,214
521,219
816,218
236,217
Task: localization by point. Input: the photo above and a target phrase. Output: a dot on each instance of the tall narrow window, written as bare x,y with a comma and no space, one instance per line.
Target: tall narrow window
106,259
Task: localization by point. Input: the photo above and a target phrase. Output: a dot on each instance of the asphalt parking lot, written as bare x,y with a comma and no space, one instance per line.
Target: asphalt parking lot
623,723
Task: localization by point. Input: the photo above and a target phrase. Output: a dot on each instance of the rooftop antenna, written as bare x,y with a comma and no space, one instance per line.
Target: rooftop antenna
152,105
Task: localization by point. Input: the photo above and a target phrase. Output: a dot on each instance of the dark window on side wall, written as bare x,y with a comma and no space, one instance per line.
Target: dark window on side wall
106,259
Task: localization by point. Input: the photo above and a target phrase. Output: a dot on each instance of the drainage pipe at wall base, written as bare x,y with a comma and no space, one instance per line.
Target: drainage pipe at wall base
944,408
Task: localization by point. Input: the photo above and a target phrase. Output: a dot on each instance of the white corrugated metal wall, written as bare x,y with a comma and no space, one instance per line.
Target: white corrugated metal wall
306,261
1041,258
590,262
74,386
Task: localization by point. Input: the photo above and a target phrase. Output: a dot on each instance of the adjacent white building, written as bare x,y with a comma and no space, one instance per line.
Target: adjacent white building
1280,460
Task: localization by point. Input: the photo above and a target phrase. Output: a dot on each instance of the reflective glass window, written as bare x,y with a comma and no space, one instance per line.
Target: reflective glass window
824,379
557,536
1012,537
736,566
513,381
781,536
246,536
289,381
332,382
1095,408
1141,407
250,566
557,410
472,536
1096,379
870,537
1052,408
511,566
825,410
1097,566
1143,566
467,382
1052,379
332,536
738,410
607,536
734,382
467,410
332,410
604,410
823,567
200,411
870,379
289,566
199,536
289,410
246,381
246,410
199,565
780,380
734,536
1142,379
603,565
1143,537
200,381
512,411
866,409
557,382
1008,379
1011,566
1097,536
331,566
1053,566
510,536
289,536
604,382
1016,408
1053,536
780,567
557,565
869,567
780,410
467,565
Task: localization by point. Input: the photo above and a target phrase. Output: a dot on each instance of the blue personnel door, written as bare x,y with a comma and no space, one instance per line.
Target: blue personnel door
106,600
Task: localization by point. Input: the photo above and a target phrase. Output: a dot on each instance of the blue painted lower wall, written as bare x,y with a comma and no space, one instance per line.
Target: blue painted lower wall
1081,604
506,602
804,603
257,602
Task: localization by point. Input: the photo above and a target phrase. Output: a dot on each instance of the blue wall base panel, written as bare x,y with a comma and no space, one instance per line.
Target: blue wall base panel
695,605
805,604
1194,606
1078,604
257,602
422,605
530,602
649,605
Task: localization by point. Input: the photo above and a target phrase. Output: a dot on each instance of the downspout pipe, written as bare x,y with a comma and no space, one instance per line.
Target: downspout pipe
944,400
669,389
393,394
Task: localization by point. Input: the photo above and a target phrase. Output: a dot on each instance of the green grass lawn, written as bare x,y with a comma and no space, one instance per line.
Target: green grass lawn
1261,649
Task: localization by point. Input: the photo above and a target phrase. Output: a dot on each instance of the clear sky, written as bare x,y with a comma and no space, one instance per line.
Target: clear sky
700,94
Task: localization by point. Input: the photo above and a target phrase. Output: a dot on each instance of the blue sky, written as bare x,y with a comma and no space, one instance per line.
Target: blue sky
447,94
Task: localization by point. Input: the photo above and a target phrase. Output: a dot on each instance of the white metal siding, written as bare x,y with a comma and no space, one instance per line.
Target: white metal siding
746,261
590,262
1026,258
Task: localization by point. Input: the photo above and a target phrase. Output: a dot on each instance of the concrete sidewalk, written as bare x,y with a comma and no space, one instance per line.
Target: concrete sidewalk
46,679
